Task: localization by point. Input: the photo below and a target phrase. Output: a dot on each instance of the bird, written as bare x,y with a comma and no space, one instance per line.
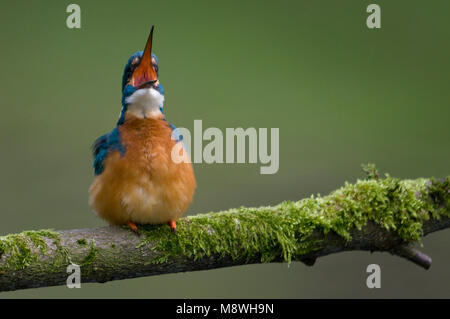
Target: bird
136,179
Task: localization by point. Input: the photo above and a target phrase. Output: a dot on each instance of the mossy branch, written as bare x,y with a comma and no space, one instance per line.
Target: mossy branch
375,214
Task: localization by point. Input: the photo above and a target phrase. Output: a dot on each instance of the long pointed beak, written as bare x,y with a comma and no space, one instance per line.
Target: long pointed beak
145,73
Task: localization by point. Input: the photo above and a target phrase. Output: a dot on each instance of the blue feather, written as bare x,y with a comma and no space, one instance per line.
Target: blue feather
105,145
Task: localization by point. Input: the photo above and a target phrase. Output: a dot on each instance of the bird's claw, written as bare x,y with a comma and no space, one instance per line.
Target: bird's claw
173,226
133,227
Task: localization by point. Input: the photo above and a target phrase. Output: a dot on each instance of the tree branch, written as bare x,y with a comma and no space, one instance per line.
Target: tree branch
373,215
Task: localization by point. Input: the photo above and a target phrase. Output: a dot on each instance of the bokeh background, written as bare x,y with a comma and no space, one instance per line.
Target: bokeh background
340,93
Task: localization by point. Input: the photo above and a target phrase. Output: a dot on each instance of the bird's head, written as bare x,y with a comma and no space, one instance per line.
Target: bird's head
141,89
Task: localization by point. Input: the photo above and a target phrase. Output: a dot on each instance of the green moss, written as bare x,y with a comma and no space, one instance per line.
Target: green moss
82,242
267,233
20,250
91,256
284,231
438,191
371,171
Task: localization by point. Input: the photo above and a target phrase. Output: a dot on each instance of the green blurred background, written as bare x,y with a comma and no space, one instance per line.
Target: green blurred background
340,93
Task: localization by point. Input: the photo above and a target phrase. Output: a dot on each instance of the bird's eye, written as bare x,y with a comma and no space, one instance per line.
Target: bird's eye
155,66
131,69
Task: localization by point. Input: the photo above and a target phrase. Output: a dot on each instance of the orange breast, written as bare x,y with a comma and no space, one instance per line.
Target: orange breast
144,185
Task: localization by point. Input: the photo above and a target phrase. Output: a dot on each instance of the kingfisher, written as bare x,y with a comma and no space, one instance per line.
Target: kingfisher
137,181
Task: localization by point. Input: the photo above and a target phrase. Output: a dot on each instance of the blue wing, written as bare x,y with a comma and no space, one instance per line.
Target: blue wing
103,146
176,135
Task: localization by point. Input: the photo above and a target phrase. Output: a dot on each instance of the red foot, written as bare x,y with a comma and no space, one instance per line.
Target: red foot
173,226
132,226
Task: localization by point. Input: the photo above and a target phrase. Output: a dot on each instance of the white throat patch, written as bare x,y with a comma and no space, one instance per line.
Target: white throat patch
145,103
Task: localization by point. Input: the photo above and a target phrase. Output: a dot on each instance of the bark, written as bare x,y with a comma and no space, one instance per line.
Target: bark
112,253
